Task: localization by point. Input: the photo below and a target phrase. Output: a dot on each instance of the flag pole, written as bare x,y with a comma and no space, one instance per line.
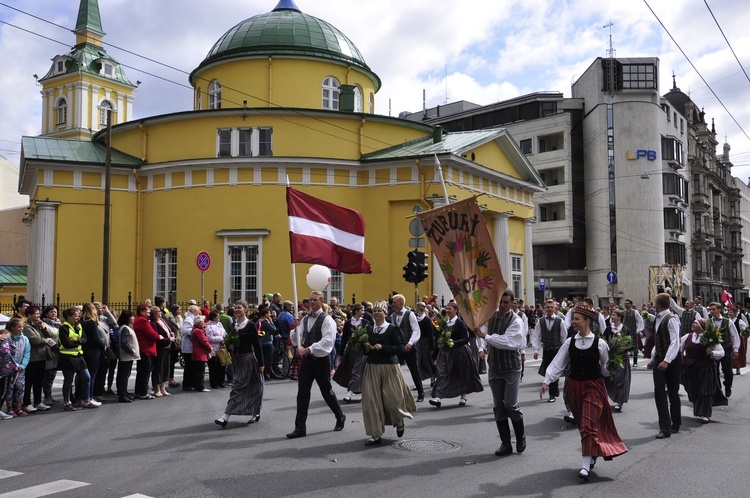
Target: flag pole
442,180
294,275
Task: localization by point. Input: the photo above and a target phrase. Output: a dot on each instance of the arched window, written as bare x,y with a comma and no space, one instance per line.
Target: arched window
198,99
372,103
331,93
62,111
214,95
357,99
104,108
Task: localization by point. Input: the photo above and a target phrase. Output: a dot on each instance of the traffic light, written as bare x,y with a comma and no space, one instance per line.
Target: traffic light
415,270
410,270
421,259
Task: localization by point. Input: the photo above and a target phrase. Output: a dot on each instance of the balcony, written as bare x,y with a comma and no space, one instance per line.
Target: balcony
700,201
735,222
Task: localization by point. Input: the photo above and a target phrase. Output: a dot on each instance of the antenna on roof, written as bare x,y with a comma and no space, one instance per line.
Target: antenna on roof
445,64
611,62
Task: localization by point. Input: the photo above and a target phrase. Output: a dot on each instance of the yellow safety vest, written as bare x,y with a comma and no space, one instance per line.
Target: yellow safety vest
73,333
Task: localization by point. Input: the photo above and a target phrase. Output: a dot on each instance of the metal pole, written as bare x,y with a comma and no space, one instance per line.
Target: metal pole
107,177
202,275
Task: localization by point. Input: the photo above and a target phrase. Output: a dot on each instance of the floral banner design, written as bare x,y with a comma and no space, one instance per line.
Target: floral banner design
462,245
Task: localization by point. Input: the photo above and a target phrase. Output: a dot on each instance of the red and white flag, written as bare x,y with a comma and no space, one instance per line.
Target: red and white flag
726,297
326,234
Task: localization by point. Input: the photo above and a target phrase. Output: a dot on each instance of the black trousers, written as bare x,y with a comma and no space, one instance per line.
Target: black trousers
187,371
547,356
111,372
123,375
410,359
34,379
216,372
198,374
142,374
725,364
667,387
318,370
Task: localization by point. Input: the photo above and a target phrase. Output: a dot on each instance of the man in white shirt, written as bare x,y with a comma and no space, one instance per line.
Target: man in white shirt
550,333
317,333
406,320
503,335
666,362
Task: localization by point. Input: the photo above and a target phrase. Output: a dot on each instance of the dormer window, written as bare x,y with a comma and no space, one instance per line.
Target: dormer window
108,69
331,93
59,66
214,95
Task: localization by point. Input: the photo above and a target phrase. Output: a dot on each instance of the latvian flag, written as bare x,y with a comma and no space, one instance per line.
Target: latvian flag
326,234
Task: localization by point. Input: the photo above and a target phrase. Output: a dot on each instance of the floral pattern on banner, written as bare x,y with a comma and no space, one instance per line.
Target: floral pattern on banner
461,243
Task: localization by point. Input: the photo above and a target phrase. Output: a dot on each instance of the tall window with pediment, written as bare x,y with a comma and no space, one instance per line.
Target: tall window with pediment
214,95
331,93
104,108
62,111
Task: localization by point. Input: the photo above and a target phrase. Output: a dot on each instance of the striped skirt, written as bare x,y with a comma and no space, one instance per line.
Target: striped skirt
386,399
593,415
350,370
618,384
457,373
246,397
741,360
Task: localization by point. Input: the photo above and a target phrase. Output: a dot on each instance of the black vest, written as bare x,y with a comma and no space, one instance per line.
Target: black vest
314,334
502,359
551,338
686,322
629,320
584,363
662,339
405,324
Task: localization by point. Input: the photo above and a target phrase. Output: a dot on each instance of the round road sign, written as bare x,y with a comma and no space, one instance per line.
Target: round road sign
203,261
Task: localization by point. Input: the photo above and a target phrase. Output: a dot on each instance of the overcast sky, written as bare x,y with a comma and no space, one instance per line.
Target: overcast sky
490,50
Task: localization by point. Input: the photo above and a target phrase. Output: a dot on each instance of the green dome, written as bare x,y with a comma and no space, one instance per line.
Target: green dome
285,31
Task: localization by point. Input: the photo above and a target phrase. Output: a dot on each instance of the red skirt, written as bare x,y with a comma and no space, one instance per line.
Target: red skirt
590,407
741,360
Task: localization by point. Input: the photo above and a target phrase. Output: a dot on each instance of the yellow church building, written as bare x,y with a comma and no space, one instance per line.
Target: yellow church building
212,179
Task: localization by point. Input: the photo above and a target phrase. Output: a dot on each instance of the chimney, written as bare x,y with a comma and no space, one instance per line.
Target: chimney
346,98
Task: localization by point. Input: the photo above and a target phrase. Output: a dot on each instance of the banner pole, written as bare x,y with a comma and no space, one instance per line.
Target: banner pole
294,274
442,180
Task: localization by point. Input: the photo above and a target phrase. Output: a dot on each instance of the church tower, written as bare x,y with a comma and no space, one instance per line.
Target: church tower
84,84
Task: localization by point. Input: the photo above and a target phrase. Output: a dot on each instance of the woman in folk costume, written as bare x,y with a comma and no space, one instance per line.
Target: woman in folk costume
352,366
585,355
457,373
386,399
740,324
700,373
618,384
426,343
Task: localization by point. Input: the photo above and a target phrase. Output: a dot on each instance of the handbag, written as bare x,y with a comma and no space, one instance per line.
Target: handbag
49,355
225,359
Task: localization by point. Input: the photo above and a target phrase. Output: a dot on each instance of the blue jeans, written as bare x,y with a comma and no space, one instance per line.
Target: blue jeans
67,388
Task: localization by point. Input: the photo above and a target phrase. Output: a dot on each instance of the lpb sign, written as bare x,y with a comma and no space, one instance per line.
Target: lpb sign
641,154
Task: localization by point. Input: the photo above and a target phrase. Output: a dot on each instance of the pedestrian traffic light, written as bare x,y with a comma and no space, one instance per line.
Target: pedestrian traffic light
421,274
410,270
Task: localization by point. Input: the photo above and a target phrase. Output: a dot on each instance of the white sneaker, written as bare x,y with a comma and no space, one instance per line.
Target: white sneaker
95,402
30,409
42,407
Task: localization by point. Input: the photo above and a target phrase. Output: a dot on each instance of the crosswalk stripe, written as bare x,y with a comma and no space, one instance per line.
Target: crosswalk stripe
47,489
137,495
9,473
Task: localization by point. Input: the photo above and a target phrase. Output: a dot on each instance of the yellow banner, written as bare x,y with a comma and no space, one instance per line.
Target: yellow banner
462,245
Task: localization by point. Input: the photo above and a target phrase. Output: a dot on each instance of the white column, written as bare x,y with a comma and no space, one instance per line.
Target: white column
128,111
84,115
78,105
120,110
439,284
529,259
42,252
502,243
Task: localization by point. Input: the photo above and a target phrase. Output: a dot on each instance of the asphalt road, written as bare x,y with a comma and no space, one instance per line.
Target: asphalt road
170,447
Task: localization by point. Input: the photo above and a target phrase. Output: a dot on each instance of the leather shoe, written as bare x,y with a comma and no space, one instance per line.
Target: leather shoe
340,423
663,435
504,449
420,398
123,399
373,441
520,444
583,474
569,419
347,399
221,422
296,433
400,431
551,399
253,419
675,429
436,403
728,391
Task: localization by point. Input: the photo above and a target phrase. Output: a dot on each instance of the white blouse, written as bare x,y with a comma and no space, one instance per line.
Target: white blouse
557,368
718,349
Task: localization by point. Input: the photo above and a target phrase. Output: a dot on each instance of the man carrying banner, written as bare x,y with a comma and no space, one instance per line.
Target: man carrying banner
504,336
406,320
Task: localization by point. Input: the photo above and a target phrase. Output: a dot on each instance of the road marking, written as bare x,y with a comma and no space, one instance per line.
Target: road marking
47,489
9,473
137,495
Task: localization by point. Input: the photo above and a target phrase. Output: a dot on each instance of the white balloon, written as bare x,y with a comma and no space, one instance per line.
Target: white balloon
318,277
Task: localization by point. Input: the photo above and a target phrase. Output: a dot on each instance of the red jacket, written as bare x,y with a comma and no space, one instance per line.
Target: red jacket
201,347
146,335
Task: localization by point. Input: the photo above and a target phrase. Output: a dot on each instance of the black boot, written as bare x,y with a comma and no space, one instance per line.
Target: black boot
520,435
504,429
